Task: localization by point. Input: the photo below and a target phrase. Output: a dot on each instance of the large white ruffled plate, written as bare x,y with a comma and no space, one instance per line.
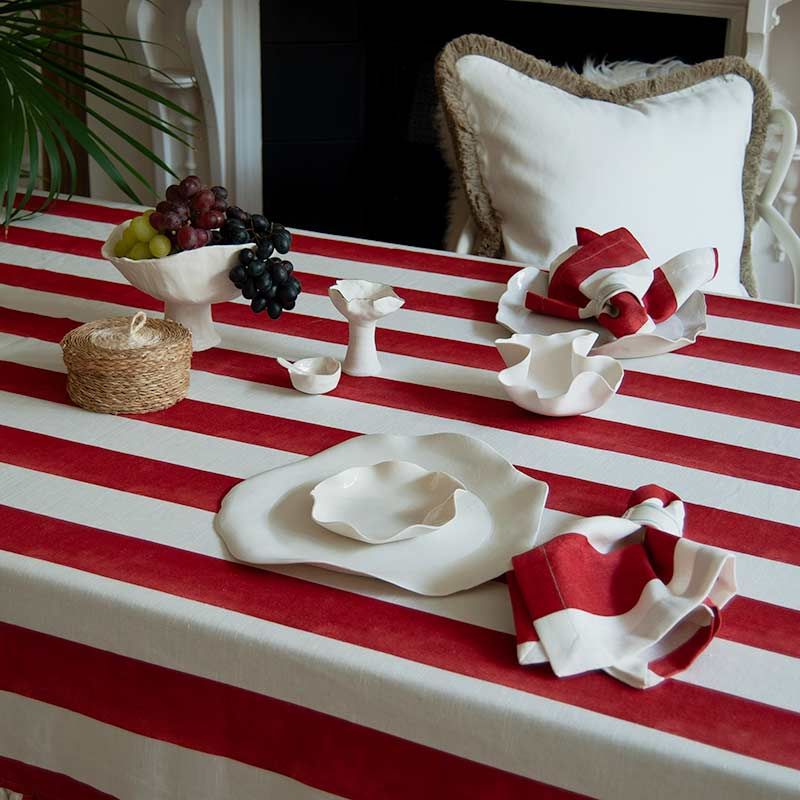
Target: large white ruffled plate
680,330
267,518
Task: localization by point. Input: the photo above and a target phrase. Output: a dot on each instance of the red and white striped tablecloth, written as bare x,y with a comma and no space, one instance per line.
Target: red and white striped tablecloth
138,661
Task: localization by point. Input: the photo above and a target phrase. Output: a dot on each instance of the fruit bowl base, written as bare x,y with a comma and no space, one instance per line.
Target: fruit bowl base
197,318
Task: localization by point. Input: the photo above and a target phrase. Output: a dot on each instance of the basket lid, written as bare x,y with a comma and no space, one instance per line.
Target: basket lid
119,336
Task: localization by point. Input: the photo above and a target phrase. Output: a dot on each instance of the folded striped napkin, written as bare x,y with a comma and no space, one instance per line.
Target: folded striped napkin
610,277
628,595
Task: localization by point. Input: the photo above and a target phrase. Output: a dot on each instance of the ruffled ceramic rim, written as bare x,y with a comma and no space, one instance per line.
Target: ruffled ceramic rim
380,291
175,260
329,361
510,304
447,505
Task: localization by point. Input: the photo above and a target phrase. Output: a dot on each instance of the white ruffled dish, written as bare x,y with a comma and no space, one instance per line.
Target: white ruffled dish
385,502
554,375
680,330
267,518
313,375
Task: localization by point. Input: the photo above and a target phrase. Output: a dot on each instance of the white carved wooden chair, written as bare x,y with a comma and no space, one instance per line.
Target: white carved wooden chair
783,232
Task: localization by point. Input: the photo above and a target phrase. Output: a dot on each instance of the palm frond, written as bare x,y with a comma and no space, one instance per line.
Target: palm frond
35,120
54,33
102,91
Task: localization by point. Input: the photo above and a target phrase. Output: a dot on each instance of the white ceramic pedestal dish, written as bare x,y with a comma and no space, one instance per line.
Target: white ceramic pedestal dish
680,330
553,375
267,519
187,282
385,502
313,375
362,304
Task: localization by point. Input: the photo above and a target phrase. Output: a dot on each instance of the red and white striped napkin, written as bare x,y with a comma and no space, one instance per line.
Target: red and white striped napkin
610,277
628,595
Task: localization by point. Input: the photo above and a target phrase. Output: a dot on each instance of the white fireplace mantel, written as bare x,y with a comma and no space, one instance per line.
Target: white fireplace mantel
762,18
749,23
223,71
218,78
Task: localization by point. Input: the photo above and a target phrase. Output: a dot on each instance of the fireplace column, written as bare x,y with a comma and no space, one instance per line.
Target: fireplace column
219,80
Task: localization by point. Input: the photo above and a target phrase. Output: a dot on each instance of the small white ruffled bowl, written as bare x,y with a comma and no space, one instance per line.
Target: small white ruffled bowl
313,375
385,502
554,375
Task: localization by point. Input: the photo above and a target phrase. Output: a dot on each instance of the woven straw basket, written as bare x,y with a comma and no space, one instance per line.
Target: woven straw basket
128,365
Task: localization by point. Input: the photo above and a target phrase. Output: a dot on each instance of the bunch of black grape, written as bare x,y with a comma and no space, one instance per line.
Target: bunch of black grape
241,228
268,283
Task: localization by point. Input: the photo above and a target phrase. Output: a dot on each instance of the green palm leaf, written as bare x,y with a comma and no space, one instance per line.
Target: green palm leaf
34,120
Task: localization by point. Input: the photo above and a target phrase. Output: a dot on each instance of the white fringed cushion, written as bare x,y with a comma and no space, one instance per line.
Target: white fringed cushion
543,151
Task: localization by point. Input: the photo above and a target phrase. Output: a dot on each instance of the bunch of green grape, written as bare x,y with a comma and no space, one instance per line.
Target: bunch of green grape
141,240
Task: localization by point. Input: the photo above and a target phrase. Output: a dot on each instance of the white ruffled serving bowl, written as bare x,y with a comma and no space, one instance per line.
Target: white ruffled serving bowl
188,283
385,502
554,375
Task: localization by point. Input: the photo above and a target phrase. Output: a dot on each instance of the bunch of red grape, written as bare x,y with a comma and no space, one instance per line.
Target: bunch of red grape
191,213
194,215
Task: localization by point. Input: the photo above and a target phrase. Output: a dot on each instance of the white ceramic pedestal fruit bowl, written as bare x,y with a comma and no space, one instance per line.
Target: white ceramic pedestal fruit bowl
385,502
188,283
680,330
362,304
313,375
554,375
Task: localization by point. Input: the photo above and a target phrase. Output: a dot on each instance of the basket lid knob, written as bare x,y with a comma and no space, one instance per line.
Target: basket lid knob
138,321
119,336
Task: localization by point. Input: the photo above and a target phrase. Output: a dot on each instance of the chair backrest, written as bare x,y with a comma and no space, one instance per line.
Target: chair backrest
780,227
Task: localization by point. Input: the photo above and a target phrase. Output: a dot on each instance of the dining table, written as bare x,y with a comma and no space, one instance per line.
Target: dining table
140,660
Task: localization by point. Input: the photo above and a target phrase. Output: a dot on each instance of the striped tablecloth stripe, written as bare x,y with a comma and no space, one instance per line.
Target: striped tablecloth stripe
130,628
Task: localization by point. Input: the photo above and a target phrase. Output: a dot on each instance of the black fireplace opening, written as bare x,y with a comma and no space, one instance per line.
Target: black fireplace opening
348,98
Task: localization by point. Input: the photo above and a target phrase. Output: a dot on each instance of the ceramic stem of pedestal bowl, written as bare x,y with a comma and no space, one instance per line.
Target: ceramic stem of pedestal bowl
362,354
197,318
